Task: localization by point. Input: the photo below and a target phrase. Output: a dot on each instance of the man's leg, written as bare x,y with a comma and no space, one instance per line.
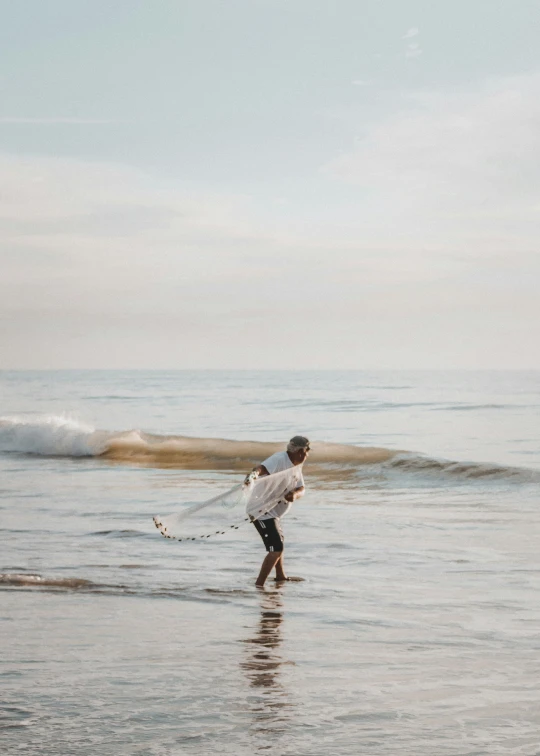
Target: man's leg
270,532
270,561
280,572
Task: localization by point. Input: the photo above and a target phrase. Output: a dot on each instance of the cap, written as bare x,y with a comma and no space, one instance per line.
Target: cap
297,442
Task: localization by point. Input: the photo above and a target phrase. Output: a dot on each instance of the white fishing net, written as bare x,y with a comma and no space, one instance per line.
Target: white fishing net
230,509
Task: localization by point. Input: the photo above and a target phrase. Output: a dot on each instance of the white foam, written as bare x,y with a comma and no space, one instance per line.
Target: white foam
50,435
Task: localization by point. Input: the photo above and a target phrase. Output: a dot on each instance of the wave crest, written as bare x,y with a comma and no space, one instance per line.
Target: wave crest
329,462
64,436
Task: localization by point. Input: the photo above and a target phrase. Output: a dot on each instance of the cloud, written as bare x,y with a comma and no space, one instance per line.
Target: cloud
413,50
105,265
361,83
64,191
473,154
59,120
428,226
412,32
79,236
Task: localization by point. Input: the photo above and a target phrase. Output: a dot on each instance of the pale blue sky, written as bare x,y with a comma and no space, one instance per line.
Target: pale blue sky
270,184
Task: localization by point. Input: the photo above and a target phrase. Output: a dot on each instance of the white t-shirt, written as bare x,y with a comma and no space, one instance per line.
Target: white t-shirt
276,463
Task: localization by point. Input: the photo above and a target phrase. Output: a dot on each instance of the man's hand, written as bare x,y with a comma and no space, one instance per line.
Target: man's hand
251,477
293,495
257,472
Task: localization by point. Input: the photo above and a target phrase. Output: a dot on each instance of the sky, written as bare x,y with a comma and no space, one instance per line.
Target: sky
270,184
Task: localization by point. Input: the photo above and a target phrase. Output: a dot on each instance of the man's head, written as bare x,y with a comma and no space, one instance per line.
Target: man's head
298,449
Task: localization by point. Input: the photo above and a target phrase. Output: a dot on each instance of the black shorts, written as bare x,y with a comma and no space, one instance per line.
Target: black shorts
270,532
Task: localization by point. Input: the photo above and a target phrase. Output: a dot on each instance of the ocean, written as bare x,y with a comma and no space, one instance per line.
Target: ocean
416,628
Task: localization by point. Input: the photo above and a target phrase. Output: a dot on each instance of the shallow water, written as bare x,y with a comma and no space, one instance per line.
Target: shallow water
415,630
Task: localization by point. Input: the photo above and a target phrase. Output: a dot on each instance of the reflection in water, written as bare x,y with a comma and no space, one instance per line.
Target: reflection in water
270,704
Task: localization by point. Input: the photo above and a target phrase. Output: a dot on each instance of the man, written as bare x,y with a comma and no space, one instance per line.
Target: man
268,525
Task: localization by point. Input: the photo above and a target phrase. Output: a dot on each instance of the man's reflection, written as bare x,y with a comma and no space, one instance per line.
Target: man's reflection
262,666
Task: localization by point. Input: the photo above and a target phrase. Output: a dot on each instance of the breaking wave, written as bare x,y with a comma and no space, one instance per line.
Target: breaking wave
61,436
57,436
49,435
416,464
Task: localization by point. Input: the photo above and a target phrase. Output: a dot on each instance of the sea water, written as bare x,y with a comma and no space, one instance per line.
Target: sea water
416,629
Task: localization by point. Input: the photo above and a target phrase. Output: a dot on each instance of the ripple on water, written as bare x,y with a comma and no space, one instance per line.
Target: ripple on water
13,716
